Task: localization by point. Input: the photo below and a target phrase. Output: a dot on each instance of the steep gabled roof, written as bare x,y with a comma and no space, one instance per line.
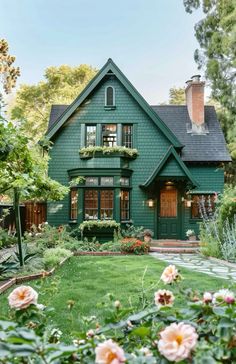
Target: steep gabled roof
171,152
197,148
110,66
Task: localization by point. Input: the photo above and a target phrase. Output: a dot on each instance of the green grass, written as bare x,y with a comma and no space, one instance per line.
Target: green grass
86,280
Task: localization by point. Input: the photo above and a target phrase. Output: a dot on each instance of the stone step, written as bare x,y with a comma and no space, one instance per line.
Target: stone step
174,250
174,243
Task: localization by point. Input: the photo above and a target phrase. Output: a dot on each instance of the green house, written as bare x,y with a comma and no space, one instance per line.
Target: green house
156,166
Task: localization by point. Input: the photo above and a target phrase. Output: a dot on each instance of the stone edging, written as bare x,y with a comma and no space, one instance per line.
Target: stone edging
11,282
78,253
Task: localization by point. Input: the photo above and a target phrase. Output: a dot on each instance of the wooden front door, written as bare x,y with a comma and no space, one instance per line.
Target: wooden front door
168,225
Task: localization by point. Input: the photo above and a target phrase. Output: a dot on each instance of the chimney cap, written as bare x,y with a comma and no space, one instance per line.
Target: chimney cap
196,78
188,82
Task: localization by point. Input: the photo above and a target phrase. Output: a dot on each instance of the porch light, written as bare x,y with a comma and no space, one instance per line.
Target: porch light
150,202
188,203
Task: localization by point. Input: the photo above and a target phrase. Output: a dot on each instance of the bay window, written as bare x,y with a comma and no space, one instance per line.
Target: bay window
98,204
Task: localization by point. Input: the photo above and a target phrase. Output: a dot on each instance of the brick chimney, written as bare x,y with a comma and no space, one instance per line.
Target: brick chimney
195,100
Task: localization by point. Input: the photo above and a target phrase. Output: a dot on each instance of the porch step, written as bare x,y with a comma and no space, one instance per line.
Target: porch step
175,246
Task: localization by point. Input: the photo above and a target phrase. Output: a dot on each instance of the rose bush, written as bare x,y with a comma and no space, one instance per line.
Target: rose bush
133,245
203,331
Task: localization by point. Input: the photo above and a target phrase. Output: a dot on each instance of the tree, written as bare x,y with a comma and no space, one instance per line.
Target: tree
32,104
177,96
23,172
216,35
8,73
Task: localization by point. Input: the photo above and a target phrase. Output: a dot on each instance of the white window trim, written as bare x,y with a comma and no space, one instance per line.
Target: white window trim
114,96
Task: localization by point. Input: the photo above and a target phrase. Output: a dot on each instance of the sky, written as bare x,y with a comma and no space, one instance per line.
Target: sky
151,41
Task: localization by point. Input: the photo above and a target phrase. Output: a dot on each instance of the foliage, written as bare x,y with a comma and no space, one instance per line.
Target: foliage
190,233
177,96
6,240
26,255
99,224
87,245
46,236
131,231
52,257
216,36
76,181
228,243
227,205
32,104
135,246
7,266
211,317
89,152
8,73
110,246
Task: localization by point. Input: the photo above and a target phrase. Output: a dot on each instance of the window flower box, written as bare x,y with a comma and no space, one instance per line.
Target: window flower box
117,151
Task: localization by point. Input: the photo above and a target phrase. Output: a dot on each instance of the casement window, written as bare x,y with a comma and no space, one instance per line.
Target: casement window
109,135
124,181
110,96
90,135
124,205
202,206
98,204
127,136
74,204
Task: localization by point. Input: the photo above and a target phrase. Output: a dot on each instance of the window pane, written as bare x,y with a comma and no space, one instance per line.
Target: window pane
125,205
91,204
109,135
127,136
110,99
202,206
107,181
124,181
91,181
90,135
73,204
106,204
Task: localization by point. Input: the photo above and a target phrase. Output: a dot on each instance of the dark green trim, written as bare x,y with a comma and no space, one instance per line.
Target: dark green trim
99,172
111,66
170,151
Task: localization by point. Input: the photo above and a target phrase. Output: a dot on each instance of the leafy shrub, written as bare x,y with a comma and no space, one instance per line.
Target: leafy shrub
227,206
135,246
131,231
47,236
209,237
90,151
6,240
228,244
110,246
52,257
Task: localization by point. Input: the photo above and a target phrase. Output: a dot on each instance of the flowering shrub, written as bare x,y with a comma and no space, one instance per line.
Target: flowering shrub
99,224
201,332
132,245
190,233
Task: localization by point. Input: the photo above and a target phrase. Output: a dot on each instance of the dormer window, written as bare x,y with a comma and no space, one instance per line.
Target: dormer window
110,96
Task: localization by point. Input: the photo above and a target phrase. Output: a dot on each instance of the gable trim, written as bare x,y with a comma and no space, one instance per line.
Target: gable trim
110,66
170,151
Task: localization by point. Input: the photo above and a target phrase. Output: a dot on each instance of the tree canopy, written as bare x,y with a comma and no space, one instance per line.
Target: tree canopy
177,96
8,72
32,104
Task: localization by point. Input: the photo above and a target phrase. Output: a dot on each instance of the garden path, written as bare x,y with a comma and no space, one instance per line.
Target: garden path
200,264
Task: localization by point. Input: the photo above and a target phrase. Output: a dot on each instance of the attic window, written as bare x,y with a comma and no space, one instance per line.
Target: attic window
109,96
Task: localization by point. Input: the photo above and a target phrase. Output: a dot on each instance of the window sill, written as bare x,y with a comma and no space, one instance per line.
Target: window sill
107,108
72,221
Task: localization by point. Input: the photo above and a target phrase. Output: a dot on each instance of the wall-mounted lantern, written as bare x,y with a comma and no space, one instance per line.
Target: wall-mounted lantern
150,202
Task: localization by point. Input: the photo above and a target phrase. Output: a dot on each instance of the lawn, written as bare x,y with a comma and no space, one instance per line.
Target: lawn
87,280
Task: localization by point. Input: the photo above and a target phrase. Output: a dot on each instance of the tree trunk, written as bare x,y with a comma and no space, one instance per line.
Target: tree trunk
18,225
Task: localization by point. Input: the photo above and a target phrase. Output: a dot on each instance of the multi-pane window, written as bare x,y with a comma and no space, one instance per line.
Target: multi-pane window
127,136
109,135
110,96
107,181
124,205
73,204
124,181
90,135
99,204
91,181
202,206
91,204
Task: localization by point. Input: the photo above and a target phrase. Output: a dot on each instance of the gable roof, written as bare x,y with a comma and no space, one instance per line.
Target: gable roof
197,148
110,66
170,152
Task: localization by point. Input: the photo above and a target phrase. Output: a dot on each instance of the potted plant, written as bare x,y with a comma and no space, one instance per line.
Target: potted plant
191,235
147,236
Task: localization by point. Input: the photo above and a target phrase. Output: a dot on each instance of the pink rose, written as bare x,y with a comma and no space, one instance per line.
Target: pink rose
177,341
224,295
109,352
22,297
170,274
164,297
